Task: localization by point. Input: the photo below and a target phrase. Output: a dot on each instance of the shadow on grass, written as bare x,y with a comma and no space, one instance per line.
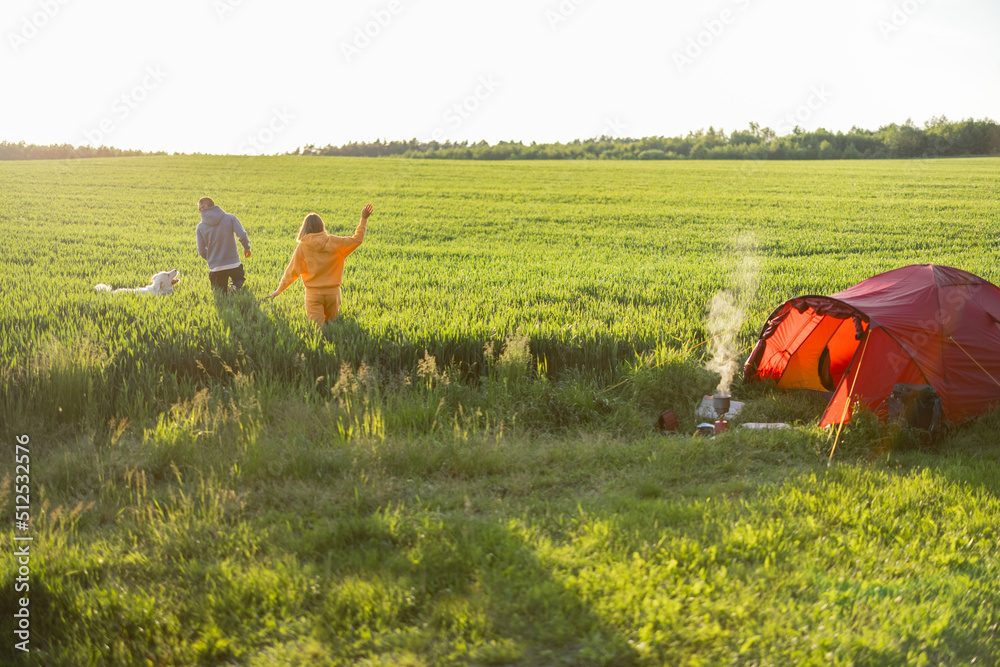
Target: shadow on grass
426,586
392,348
967,455
375,553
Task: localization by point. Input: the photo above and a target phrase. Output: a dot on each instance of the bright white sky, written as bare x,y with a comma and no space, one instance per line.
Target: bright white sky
267,76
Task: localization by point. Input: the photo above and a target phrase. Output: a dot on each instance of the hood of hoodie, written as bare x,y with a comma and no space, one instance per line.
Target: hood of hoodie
212,216
319,242
319,250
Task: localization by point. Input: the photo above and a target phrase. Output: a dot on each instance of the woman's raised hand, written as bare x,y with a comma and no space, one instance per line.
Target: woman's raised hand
367,211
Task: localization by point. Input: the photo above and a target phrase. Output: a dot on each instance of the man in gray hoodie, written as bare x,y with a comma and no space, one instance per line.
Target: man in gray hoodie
217,234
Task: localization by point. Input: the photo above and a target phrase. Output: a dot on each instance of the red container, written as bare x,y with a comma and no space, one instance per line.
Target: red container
721,426
668,422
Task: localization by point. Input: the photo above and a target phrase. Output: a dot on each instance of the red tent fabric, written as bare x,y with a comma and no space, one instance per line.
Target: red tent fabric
920,324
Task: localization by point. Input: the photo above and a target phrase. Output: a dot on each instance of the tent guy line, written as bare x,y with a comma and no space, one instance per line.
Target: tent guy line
973,360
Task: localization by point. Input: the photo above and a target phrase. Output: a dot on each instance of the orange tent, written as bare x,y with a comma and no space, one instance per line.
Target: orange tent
920,324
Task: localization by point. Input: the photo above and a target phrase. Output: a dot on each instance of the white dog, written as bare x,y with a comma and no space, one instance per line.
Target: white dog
160,284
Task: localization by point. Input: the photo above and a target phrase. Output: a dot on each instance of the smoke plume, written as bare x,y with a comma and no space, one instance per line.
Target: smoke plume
728,310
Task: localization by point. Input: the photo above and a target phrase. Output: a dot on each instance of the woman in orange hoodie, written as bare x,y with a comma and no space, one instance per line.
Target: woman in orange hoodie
319,260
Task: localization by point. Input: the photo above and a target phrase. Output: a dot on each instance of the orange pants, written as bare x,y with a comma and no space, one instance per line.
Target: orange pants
323,308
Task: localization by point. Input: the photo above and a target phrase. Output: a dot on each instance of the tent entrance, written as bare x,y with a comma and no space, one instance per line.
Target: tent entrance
808,344
826,349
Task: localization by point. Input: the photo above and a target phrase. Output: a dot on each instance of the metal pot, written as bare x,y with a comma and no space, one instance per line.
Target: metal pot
721,404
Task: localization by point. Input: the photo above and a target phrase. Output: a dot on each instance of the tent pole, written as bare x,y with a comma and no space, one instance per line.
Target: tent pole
847,401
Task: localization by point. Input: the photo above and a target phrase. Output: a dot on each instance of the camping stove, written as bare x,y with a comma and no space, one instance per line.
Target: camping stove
721,404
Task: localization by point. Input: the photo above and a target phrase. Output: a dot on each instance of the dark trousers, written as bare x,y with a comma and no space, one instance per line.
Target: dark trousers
220,279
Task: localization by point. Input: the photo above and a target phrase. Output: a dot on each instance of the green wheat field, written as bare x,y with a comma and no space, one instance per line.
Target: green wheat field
465,468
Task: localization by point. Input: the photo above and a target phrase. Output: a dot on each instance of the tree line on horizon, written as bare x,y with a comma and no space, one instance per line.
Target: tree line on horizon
939,137
23,151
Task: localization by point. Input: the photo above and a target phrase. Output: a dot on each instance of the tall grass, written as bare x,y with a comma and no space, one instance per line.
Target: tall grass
233,532
464,468
595,264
